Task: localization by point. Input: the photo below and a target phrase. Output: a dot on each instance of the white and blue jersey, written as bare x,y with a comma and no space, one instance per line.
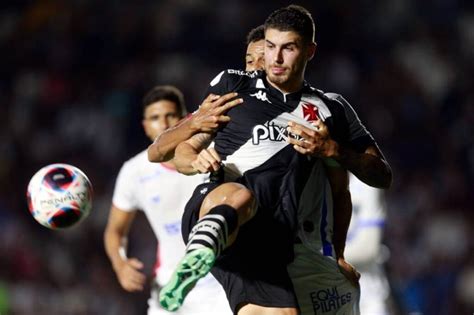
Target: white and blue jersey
161,193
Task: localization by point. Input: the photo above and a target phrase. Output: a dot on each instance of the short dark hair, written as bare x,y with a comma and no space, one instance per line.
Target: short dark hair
292,18
256,34
165,92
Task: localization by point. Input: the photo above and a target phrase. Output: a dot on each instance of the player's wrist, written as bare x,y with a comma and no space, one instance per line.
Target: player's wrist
339,252
333,150
191,125
118,263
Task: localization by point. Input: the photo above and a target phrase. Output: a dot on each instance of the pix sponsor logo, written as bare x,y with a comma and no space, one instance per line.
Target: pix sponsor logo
329,300
271,131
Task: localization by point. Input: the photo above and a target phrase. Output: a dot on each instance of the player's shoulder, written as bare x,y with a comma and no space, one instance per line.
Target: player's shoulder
334,101
232,78
333,96
338,98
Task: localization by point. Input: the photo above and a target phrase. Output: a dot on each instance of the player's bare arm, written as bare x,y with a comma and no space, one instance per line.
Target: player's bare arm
370,166
193,156
115,239
209,116
339,181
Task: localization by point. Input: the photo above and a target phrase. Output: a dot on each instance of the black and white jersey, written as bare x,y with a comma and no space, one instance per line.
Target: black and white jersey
253,144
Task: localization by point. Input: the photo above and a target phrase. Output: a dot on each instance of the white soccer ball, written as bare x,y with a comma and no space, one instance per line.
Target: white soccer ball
59,196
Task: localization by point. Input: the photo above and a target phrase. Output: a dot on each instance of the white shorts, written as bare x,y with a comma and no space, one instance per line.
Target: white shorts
206,298
319,285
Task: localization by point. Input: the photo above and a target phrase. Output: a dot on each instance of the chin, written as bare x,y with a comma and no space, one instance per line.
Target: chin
278,79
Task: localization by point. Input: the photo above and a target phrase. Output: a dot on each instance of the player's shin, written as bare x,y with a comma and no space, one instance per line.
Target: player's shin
213,229
207,240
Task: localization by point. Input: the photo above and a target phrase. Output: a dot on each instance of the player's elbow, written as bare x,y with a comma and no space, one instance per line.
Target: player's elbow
380,176
155,154
387,177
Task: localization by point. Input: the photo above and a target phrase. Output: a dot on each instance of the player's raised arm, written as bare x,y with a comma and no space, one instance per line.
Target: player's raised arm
193,156
369,165
210,115
363,158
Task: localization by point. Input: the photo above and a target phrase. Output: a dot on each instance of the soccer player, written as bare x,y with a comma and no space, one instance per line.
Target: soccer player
161,192
256,154
364,246
254,57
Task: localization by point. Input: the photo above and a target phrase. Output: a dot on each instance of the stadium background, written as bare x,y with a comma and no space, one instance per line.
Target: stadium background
71,80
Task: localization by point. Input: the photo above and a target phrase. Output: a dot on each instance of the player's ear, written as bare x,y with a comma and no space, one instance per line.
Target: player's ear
311,50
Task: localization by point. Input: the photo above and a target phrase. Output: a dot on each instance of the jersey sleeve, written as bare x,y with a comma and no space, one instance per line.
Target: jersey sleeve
359,137
123,197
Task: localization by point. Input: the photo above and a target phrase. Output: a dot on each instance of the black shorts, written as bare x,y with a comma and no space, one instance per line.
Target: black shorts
253,270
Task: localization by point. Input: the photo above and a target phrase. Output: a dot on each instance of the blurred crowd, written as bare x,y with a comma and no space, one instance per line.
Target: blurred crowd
71,81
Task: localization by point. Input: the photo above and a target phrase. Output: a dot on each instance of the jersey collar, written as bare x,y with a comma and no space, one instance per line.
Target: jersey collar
286,97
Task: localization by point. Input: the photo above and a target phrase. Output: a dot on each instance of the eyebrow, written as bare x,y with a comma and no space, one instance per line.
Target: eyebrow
284,44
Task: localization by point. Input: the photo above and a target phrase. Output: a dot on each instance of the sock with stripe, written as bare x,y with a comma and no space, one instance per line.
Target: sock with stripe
207,240
213,229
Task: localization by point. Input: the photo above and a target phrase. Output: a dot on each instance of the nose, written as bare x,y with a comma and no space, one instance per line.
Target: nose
278,59
163,122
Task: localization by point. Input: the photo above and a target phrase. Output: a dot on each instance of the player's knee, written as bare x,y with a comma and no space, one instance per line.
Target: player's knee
235,195
245,202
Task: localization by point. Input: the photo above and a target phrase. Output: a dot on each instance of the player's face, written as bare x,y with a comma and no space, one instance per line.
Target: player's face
254,57
286,55
158,117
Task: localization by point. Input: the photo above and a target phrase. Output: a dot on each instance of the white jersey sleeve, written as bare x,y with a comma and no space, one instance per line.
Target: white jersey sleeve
124,196
368,219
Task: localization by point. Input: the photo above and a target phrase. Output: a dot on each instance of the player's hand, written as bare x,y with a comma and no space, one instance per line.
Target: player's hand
211,113
312,142
348,271
129,275
208,160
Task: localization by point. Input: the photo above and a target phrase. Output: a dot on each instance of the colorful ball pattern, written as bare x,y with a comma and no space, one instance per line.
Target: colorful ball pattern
59,196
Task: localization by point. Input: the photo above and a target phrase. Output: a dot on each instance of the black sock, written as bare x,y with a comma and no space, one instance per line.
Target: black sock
213,229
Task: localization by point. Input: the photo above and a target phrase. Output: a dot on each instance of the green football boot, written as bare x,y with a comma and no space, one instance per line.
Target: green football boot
194,266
